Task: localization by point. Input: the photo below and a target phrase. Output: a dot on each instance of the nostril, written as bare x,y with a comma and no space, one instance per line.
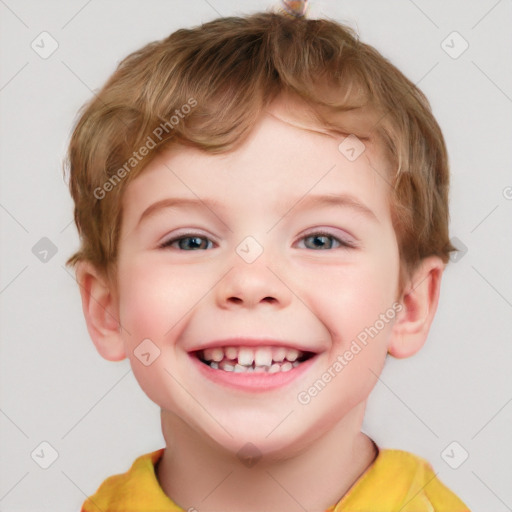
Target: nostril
238,300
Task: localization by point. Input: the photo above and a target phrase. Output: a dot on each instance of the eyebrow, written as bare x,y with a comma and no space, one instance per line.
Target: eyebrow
307,202
176,202
340,200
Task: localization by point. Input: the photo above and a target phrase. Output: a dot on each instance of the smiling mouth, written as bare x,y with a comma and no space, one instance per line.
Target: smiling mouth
269,359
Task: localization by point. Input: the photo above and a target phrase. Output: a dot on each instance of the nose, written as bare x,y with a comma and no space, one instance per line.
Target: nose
249,285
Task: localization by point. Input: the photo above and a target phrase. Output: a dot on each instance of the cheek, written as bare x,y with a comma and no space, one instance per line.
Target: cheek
154,298
359,312
154,302
357,297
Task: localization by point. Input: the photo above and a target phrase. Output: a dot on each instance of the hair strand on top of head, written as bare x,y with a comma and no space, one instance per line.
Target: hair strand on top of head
295,8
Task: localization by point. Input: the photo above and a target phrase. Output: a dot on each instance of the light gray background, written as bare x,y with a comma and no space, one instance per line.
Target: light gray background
54,385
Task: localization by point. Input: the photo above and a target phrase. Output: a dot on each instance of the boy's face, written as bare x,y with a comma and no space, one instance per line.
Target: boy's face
290,244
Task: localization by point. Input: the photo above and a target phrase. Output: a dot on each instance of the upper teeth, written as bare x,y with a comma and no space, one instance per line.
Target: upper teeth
246,356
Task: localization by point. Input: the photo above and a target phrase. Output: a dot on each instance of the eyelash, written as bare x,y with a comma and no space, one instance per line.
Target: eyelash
343,244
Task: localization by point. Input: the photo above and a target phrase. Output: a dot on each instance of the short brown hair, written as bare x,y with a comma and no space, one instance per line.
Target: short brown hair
229,69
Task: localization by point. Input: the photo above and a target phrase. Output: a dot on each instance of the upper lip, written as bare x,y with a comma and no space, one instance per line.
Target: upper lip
253,342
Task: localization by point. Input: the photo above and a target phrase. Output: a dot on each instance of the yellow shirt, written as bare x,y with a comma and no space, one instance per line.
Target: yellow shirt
397,481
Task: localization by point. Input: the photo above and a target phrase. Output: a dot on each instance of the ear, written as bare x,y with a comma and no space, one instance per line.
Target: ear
100,308
419,299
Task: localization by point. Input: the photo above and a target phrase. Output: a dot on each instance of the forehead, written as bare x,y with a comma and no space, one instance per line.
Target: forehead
288,155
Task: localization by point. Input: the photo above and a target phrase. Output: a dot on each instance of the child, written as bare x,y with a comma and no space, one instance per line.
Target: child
262,205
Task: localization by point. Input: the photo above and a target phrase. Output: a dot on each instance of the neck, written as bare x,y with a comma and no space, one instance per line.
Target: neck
198,474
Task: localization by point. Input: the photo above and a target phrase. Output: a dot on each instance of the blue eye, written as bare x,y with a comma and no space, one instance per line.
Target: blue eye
324,241
315,241
188,243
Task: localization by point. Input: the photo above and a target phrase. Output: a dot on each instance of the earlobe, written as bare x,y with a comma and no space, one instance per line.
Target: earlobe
100,310
419,299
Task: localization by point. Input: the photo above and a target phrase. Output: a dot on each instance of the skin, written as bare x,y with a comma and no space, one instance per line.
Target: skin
320,298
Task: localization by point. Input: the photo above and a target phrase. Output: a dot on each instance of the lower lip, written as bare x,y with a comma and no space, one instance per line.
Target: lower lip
254,381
